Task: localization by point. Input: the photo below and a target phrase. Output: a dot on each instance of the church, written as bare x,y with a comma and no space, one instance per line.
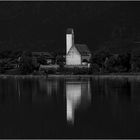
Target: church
76,54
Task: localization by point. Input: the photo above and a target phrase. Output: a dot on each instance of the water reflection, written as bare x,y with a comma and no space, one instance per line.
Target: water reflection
44,90
43,105
77,93
49,85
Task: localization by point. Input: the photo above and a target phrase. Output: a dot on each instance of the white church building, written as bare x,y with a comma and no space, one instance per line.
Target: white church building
76,54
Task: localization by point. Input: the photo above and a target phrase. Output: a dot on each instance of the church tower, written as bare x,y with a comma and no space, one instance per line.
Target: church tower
69,39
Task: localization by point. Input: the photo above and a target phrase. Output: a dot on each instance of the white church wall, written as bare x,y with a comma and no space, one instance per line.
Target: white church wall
73,57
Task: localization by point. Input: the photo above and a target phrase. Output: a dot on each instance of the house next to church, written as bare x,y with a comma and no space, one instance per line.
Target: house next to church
48,57
76,54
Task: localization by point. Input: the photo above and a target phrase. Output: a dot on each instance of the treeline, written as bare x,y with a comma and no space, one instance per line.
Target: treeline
102,61
22,62
16,62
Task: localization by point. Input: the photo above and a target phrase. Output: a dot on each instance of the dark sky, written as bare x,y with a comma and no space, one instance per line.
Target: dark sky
42,25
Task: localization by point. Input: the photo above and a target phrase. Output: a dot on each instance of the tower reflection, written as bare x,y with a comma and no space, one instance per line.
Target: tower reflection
78,96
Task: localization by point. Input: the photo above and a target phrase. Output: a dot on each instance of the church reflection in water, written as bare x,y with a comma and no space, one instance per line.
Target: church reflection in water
78,96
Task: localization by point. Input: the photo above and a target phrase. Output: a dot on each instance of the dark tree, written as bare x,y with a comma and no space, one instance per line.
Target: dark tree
41,60
125,61
25,64
60,60
99,58
2,66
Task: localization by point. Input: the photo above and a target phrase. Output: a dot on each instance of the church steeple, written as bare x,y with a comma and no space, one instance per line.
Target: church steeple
69,39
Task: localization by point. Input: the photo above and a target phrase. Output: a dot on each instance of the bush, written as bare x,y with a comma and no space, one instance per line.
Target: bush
50,71
80,71
94,68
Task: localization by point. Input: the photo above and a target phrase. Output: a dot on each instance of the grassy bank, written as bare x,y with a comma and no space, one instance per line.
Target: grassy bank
111,75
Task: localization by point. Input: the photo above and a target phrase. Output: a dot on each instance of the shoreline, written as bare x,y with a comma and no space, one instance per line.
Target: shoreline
112,75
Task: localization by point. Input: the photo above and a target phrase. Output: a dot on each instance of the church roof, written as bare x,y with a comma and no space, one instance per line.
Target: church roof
83,49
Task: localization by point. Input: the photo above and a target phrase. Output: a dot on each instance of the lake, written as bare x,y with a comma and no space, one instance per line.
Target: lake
69,108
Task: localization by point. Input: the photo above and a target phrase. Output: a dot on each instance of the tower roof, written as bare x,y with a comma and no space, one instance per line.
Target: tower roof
70,31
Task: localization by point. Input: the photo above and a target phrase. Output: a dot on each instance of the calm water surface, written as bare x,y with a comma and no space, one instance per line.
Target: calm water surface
69,108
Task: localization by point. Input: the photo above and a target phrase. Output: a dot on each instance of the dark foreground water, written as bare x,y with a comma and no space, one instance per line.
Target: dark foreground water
68,108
